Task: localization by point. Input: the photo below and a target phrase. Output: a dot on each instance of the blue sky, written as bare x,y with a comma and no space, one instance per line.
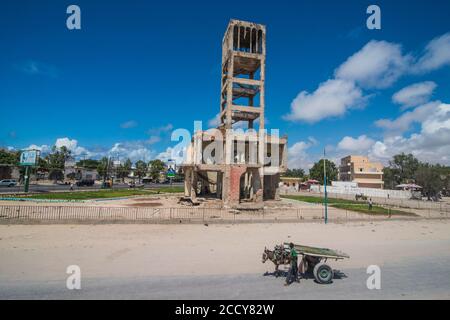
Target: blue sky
139,69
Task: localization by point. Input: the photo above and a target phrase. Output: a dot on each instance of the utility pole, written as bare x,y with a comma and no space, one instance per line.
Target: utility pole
27,178
325,185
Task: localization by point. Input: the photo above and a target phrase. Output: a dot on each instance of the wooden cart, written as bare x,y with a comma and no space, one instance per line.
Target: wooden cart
314,260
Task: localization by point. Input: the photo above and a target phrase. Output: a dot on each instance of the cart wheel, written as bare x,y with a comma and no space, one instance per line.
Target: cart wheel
323,273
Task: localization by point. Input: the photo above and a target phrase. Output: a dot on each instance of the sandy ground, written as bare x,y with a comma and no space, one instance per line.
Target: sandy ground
44,252
162,201
219,261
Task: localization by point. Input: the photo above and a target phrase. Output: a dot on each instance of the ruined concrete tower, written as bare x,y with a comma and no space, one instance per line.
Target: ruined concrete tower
241,167
243,72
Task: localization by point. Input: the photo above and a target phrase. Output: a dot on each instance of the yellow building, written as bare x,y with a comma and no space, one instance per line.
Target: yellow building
360,170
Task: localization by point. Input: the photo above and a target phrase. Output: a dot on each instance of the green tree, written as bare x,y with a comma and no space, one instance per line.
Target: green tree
56,175
103,168
124,170
43,164
9,157
444,173
56,161
156,167
294,173
88,163
429,178
401,169
316,172
141,169
389,178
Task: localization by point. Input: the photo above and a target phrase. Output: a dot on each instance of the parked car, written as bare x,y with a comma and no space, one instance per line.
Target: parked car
85,182
133,184
8,182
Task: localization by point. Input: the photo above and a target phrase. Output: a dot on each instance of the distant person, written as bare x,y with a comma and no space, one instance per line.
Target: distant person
71,186
370,204
293,270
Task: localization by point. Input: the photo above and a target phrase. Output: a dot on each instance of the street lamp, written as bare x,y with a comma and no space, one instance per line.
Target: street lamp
325,185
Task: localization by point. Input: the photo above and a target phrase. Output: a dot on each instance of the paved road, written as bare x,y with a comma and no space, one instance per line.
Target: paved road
50,188
412,279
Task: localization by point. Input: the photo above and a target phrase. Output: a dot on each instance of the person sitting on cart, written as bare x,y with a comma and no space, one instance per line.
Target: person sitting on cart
293,269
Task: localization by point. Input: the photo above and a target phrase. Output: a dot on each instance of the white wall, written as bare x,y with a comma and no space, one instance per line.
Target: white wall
369,192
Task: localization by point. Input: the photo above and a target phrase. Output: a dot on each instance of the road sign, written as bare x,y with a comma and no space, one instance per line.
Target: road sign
28,157
170,173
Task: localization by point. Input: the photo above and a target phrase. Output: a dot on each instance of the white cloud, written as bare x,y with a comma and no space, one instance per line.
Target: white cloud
160,130
156,134
73,146
415,94
403,123
439,120
176,154
42,148
33,67
134,150
436,55
153,139
377,65
331,99
66,142
313,141
358,145
128,124
431,143
298,157
214,122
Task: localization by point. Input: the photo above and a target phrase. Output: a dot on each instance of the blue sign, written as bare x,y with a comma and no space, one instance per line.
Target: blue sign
170,173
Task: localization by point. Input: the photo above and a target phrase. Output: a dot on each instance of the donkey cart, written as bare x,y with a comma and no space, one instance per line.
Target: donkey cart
314,261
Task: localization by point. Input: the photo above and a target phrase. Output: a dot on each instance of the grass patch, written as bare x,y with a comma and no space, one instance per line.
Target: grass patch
351,205
102,194
169,189
312,199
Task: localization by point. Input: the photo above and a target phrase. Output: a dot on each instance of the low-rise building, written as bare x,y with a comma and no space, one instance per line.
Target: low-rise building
360,170
74,172
9,171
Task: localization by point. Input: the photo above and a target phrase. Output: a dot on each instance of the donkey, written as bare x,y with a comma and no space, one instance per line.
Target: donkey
277,256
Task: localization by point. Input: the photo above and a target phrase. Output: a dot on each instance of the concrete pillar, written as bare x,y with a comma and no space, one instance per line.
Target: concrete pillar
235,174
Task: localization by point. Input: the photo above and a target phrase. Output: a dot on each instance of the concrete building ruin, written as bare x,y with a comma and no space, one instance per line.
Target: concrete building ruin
238,161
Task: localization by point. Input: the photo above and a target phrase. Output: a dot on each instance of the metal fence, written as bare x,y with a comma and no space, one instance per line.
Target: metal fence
80,214
443,206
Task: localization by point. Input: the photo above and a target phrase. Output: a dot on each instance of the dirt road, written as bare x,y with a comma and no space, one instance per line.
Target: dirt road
169,261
